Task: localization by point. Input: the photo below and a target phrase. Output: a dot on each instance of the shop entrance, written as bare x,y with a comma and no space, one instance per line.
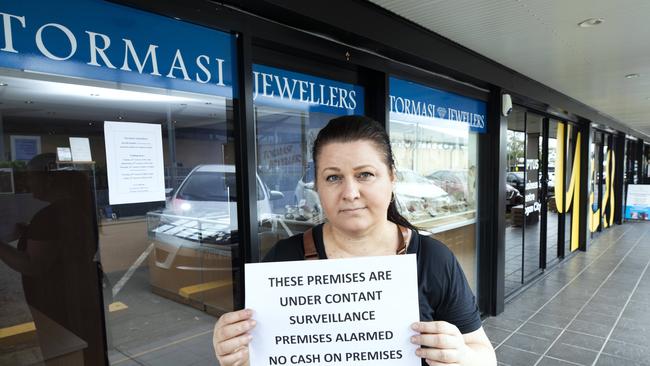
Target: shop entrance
537,217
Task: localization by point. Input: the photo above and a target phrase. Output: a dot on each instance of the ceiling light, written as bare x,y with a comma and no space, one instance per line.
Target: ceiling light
29,102
3,83
591,22
632,76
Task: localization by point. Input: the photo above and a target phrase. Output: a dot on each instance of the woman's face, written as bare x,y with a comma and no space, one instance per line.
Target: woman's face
354,185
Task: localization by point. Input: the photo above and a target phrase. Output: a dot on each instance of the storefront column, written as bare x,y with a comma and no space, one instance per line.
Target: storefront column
2,140
492,166
249,244
619,174
585,179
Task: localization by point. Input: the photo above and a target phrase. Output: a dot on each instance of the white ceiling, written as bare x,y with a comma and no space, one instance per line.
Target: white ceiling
541,39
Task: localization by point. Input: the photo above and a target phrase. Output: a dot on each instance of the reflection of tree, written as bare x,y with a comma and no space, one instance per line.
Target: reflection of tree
516,146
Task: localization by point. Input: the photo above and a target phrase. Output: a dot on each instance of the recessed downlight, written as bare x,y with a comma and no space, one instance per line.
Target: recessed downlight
591,22
632,76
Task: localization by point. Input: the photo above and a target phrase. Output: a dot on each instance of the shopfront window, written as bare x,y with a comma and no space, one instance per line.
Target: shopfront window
290,108
434,135
117,162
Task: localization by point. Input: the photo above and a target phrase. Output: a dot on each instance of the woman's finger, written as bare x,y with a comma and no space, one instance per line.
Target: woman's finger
441,341
233,330
445,356
436,327
234,317
238,358
232,345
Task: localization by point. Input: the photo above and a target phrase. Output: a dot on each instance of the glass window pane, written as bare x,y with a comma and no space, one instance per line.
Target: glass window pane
287,121
173,255
436,161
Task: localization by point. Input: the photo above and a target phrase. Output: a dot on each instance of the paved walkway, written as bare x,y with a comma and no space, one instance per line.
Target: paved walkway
590,310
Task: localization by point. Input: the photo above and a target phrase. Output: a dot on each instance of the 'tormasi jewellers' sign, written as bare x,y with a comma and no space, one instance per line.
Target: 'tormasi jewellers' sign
291,90
99,40
416,100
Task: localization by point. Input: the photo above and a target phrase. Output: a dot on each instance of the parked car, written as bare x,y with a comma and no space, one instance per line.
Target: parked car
196,237
513,197
418,197
453,182
305,196
209,192
516,179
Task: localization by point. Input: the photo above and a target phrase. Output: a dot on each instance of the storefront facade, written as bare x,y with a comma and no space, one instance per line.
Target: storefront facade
172,144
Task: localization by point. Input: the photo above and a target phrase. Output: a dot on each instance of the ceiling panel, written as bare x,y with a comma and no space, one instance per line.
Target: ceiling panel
541,39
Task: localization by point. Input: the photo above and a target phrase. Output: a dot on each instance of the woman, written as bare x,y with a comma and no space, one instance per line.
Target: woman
355,177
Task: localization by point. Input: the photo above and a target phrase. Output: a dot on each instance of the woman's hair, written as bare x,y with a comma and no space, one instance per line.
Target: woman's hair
360,128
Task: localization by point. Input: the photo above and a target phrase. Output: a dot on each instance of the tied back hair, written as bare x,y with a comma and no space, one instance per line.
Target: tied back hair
360,128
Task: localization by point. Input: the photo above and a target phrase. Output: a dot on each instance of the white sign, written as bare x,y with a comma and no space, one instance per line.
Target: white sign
355,311
63,154
80,149
134,161
637,206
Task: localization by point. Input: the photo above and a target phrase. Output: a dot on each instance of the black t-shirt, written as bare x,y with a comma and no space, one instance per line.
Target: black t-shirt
443,291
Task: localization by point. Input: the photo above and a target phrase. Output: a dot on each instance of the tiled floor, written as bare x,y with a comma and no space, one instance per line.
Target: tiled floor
523,251
590,310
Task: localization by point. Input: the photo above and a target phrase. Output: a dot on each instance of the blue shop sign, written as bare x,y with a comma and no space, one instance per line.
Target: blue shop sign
416,100
295,91
99,40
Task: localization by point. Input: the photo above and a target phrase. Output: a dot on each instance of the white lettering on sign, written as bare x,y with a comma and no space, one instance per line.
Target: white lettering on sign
6,25
535,207
532,164
532,185
423,109
98,45
274,86
41,45
530,197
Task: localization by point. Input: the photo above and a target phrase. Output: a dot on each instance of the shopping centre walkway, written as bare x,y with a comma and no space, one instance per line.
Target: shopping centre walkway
590,310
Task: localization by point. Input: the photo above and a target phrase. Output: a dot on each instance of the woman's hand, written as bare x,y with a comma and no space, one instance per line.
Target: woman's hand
231,337
444,344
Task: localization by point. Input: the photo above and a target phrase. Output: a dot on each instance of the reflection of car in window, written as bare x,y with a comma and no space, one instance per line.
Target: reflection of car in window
195,235
209,191
516,179
453,182
418,197
513,197
305,193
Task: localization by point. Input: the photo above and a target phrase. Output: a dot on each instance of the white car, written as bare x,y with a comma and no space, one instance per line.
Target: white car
418,197
306,197
196,237
209,192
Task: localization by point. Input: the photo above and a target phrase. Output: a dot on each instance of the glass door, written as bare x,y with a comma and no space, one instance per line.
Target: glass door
526,186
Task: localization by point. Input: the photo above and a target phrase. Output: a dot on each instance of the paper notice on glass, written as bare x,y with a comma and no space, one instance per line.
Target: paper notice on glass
63,154
355,311
80,149
134,162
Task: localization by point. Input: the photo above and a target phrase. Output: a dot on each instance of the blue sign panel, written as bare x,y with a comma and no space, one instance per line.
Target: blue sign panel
98,40
291,90
416,100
